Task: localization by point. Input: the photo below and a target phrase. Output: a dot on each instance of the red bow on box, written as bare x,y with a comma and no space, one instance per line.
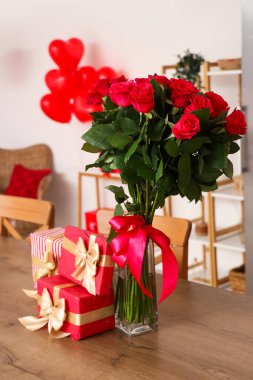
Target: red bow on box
129,248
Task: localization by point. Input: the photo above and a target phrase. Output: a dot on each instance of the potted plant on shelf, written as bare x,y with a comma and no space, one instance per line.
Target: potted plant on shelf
166,138
188,67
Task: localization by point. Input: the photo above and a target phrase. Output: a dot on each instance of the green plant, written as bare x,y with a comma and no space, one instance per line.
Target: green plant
188,67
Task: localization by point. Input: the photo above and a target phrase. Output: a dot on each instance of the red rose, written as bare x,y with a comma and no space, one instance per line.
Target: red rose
236,123
122,78
181,92
217,102
99,89
120,93
142,96
198,102
161,79
186,127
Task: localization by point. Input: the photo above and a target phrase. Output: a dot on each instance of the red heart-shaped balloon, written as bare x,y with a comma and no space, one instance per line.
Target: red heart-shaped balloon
82,110
56,107
62,82
86,75
106,73
66,54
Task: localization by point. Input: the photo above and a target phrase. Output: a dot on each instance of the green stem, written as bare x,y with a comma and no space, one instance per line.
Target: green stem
147,200
152,213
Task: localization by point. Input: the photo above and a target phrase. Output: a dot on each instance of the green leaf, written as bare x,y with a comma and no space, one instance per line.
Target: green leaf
145,171
98,135
200,164
128,126
203,114
210,187
193,190
234,147
209,174
109,105
155,131
192,145
129,175
90,148
174,110
132,114
159,172
111,235
119,193
164,186
171,148
96,116
119,161
154,156
146,157
184,172
218,157
132,149
118,211
234,137
119,140
229,170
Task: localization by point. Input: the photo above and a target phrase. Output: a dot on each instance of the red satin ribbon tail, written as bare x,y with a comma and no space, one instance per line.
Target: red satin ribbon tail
169,262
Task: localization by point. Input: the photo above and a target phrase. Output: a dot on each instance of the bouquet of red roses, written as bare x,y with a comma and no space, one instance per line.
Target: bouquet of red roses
166,138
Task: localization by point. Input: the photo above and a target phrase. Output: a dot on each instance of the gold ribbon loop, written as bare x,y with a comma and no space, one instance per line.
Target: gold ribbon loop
52,313
86,263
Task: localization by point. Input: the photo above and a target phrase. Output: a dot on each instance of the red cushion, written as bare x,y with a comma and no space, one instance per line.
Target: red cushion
25,182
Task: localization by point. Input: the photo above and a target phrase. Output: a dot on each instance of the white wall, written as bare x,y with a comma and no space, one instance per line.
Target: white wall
135,37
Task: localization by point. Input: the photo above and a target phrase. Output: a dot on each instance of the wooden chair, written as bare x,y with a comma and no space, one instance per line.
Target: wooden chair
37,156
24,209
177,229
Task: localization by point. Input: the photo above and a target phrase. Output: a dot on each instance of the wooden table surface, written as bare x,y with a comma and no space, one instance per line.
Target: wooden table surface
204,333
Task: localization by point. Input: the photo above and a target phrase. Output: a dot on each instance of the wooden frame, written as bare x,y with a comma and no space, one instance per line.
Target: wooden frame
97,178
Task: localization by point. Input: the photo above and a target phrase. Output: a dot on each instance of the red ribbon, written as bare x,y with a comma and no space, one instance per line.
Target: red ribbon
129,248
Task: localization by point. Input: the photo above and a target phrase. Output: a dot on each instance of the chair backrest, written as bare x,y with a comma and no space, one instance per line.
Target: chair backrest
177,229
24,209
37,156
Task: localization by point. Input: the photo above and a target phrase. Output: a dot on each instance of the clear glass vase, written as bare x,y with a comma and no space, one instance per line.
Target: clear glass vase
136,313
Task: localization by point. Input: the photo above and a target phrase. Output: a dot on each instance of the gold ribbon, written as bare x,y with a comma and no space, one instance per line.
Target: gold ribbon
54,313
104,260
47,265
86,263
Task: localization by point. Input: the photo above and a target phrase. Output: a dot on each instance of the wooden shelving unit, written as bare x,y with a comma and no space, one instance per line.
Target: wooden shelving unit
229,238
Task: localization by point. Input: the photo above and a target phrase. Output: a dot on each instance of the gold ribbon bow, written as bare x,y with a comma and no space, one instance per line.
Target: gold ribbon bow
52,313
47,266
86,263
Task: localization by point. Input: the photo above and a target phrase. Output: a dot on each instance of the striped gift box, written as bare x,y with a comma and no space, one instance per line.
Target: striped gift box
45,252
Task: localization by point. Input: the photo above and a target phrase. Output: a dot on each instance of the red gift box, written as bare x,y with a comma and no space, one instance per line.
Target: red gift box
85,314
45,252
86,259
91,220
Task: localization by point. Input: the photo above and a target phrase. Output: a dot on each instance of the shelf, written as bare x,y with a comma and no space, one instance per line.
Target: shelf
232,243
224,72
199,239
228,192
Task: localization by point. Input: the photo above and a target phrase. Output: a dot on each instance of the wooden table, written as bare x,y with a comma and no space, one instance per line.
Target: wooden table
204,333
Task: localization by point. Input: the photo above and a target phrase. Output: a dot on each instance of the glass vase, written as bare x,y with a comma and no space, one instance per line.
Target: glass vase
136,313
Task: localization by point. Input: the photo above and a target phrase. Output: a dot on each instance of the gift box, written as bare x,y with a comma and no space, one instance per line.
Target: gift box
91,222
45,252
86,259
79,313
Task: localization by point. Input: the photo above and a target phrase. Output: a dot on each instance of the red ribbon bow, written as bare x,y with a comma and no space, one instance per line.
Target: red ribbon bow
129,248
